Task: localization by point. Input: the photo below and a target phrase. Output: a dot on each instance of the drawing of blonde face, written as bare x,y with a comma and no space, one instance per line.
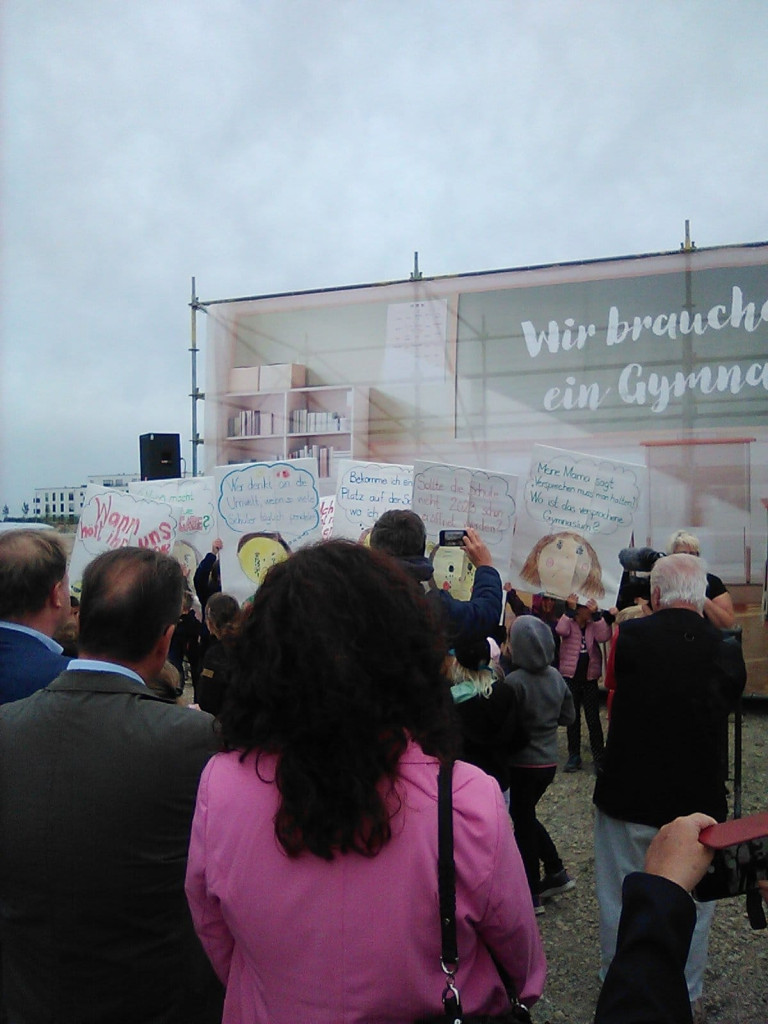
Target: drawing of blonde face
186,556
564,563
453,571
258,552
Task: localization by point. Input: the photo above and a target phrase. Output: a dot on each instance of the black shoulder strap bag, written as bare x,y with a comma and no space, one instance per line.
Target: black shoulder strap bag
449,957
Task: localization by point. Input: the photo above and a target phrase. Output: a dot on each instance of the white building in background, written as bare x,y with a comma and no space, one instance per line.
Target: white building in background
63,502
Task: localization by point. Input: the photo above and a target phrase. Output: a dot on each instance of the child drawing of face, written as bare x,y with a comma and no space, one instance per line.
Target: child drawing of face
453,571
186,556
564,564
258,552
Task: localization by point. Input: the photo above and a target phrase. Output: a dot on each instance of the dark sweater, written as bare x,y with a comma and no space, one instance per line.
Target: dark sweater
214,677
491,731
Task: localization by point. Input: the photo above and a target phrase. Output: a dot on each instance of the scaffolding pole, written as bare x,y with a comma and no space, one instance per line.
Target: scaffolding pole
196,394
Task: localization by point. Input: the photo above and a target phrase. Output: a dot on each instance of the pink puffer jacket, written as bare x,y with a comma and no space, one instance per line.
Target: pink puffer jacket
597,632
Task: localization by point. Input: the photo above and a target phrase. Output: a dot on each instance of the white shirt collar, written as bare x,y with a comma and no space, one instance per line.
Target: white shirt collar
87,665
49,642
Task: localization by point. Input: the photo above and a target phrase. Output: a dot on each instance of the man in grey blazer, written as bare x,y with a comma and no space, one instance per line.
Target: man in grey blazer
98,779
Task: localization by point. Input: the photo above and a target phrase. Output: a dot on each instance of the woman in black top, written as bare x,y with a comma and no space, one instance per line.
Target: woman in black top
223,618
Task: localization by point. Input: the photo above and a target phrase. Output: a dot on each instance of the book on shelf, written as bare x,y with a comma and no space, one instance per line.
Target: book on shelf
251,423
322,454
308,421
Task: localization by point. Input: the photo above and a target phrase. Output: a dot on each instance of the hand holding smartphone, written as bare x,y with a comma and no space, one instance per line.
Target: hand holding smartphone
741,857
452,538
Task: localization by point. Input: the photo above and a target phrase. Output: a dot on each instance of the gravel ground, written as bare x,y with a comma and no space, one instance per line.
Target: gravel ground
736,984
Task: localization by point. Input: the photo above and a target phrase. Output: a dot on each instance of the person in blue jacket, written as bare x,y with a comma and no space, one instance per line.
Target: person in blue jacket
34,604
402,534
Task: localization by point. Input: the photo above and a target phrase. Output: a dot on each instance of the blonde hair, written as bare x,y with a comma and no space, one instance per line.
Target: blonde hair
481,678
632,611
472,664
682,538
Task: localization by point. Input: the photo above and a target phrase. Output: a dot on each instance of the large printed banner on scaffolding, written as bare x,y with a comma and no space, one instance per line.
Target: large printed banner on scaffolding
575,515
265,511
114,519
192,501
365,491
455,497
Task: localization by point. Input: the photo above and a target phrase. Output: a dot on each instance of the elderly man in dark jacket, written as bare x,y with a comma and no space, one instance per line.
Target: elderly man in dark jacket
677,679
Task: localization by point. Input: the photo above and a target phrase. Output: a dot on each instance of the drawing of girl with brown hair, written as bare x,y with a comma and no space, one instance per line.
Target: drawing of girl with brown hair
564,563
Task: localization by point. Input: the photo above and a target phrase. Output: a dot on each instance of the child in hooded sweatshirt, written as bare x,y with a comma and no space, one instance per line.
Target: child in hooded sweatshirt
544,702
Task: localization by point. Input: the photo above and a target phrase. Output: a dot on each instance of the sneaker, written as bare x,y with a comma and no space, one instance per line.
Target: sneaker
538,906
553,885
573,764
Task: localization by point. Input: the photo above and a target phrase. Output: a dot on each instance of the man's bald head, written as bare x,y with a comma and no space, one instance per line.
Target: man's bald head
129,598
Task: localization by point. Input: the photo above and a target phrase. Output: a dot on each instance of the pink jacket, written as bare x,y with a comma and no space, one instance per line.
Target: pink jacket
570,645
356,940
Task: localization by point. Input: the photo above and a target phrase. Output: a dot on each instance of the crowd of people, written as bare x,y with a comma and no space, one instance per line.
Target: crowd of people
269,852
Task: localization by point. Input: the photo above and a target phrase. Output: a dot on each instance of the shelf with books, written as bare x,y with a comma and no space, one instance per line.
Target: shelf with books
254,415
326,423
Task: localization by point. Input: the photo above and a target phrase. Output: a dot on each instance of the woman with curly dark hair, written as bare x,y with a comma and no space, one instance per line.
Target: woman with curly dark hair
312,872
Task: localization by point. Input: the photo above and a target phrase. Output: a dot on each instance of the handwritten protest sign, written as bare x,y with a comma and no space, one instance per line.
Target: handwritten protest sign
327,508
577,513
453,498
265,510
192,501
114,519
365,490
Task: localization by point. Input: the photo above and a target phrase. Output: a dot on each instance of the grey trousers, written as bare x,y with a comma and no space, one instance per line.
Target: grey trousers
619,850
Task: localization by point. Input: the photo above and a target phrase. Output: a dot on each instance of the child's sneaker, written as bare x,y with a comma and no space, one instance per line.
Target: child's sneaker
554,885
538,906
573,764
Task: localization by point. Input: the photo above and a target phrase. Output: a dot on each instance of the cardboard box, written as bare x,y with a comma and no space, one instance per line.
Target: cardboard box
244,379
283,377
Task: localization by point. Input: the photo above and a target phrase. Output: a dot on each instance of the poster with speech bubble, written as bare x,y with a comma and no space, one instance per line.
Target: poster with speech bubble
365,491
576,513
192,501
115,519
265,511
455,497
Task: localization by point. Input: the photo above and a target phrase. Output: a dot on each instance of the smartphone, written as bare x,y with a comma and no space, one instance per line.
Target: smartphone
741,857
452,538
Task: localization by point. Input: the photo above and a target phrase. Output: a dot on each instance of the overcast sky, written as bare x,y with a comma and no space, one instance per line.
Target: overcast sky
281,145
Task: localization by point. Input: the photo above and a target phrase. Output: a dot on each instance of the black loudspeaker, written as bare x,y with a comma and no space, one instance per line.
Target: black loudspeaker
160,456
